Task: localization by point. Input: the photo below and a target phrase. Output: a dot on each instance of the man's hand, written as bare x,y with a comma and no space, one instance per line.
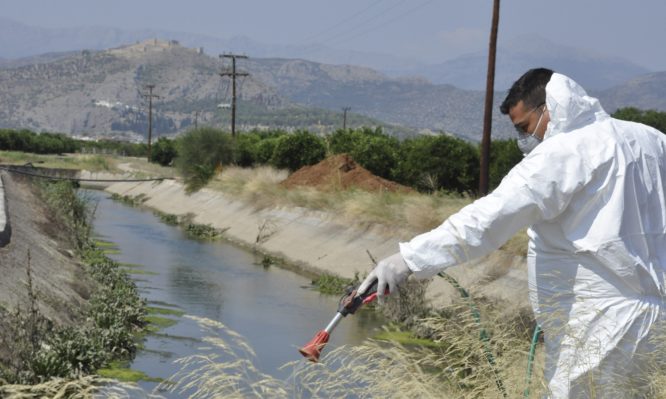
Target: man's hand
389,273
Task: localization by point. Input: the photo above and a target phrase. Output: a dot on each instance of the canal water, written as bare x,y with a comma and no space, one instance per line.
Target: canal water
275,310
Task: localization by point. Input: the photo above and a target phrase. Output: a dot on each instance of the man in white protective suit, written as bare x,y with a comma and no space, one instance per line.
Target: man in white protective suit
592,190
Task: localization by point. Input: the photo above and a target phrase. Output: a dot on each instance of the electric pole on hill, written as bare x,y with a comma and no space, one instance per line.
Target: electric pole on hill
233,75
488,111
344,117
150,97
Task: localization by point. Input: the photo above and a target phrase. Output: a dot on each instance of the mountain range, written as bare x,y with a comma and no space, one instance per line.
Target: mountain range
515,55
102,93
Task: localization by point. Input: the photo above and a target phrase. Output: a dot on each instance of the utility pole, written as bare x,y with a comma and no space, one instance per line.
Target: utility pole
233,75
488,111
344,118
150,97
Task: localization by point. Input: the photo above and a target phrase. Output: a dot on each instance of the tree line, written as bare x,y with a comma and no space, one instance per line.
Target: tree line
426,163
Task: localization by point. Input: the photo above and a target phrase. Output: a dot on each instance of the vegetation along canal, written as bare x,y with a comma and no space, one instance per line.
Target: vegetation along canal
273,309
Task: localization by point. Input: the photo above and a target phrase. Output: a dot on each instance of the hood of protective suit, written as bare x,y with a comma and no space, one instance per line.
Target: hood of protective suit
569,106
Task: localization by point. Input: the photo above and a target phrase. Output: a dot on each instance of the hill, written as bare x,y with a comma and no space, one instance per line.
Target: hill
100,93
516,55
644,92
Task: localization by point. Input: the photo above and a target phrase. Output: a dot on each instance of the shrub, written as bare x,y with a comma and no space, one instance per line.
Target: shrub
246,149
431,163
43,143
504,155
163,152
296,150
377,153
200,153
652,118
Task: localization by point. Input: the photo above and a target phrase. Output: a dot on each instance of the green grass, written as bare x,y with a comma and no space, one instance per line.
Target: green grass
121,372
406,338
154,310
156,323
93,163
138,272
331,284
105,244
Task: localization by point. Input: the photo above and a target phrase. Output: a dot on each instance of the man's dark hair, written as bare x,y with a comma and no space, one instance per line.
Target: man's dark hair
530,88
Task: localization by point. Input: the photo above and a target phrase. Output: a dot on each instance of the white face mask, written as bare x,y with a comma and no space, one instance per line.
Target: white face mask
528,141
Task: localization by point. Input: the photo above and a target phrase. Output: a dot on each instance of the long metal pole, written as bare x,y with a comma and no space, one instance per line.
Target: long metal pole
233,97
488,110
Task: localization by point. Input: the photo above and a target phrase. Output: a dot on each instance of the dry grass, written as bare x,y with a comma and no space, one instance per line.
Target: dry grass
404,214
140,168
87,387
455,366
457,363
93,163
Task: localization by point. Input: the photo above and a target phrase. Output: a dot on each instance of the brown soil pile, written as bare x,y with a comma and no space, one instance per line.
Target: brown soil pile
340,172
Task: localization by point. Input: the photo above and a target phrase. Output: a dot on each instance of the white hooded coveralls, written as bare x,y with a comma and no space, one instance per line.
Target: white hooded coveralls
594,194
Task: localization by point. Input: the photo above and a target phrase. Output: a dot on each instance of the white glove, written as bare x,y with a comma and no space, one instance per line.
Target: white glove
389,273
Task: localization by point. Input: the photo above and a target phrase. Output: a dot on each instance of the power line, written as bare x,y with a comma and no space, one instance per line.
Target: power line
362,23
150,97
340,23
13,169
363,32
233,74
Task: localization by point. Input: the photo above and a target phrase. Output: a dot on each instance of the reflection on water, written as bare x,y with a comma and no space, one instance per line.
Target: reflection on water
269,307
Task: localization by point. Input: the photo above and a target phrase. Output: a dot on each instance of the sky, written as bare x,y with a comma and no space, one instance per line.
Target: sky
427,31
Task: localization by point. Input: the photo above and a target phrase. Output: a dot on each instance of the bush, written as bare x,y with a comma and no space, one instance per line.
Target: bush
43,143
652,118
504,155
246,149
200,153
163,152
432,163
296,150
378,154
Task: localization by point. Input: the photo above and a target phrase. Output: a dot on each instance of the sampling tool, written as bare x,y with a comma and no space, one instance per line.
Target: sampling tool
349,304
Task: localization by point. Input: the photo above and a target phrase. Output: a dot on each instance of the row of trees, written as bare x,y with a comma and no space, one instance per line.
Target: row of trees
24,140
427,163
45,143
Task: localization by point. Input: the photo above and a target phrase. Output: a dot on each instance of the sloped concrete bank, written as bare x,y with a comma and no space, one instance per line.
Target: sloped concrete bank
315,243
61,285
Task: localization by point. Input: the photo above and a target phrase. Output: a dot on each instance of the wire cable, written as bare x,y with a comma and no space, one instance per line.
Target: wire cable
43,176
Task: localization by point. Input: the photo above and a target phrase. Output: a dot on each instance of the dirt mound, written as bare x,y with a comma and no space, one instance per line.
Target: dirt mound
340,172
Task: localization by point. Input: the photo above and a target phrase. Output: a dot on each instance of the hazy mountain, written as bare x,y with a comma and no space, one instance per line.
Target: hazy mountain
18,40
593,71
99,92
644,92
95,93
515,55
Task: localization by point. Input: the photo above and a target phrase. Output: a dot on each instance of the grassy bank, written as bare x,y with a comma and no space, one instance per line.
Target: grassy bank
93,163
41,351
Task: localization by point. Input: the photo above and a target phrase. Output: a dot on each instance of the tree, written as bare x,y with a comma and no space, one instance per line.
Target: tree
652,118
201,152
296,150
431,163
504,155
163,152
